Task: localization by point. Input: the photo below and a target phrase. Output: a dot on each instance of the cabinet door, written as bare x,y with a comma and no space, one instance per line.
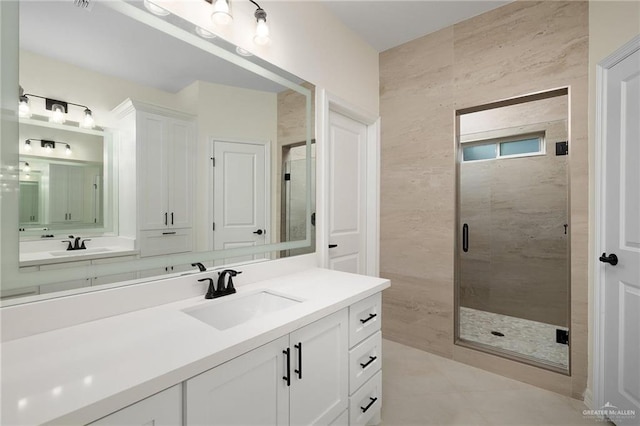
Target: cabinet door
161,409
248,390
180,165
152,171
319,387
58,193
75,194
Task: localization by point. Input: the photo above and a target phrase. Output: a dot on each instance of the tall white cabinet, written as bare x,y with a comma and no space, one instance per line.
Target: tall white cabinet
156,149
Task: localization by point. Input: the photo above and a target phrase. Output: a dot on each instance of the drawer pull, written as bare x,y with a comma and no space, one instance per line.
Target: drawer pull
169,233
366,364
371,402
287,378
371,316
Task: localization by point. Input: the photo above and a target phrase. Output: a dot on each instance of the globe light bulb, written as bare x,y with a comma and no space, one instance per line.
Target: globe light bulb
24,109
221,13
26,168
87,122
67,150
57,114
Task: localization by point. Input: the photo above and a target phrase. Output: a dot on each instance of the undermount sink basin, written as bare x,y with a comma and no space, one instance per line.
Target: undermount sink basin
80,252
227,314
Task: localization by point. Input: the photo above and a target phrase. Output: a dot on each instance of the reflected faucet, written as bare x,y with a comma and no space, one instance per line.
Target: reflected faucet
200,266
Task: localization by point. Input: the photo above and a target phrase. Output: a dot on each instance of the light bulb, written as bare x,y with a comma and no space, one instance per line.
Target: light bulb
221,13
87,122
57,114
155,9
27,145
26,168
67,150
24,109
204,33
48,148
262,30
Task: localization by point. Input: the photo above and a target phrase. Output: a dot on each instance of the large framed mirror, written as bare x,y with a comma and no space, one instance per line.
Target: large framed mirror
198,152
513,229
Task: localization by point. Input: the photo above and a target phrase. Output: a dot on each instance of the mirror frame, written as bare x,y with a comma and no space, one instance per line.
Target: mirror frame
9,182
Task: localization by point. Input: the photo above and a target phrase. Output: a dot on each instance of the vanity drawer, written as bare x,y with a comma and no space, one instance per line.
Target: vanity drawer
366,403
364,361
154,243
364,318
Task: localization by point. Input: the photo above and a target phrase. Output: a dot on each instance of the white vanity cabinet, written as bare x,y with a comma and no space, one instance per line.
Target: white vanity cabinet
298,379
161,409
156,152
365,361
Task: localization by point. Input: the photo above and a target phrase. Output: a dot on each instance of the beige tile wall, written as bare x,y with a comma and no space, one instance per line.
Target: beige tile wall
520,48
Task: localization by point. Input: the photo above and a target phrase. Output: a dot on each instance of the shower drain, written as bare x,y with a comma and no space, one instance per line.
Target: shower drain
497,333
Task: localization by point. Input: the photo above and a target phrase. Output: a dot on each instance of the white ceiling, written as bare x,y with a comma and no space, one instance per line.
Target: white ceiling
388,23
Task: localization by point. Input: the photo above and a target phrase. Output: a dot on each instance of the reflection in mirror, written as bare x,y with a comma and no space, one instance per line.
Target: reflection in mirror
189,162
512,259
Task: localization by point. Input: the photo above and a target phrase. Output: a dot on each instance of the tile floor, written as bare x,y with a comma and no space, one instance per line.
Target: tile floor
529,338
419,388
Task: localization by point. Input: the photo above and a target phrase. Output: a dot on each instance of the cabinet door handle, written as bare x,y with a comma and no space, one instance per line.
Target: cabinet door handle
371,402
366,364
299,370
165,218
371,316
172,218
287,378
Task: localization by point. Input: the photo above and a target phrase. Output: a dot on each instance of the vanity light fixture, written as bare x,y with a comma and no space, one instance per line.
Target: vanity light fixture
26,168
27,145
24,109
155,9
261,36
222,12
48,146
58,109
67,150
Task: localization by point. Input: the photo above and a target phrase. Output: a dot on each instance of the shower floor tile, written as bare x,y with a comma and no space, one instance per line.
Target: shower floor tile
529,338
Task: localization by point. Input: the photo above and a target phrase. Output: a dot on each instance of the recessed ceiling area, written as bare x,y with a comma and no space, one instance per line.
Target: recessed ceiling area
386,24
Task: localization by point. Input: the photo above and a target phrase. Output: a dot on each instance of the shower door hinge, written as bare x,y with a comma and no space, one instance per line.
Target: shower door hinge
562,148
562,336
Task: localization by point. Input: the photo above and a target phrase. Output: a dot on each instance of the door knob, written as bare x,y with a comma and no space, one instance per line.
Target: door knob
612,259
259,232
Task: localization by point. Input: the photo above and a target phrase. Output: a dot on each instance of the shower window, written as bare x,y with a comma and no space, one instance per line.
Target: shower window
518,146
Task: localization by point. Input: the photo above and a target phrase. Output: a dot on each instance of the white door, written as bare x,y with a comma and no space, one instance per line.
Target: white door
347,194
622,238
248,390
240,197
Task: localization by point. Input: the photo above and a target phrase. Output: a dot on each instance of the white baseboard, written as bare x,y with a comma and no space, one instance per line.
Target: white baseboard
588,399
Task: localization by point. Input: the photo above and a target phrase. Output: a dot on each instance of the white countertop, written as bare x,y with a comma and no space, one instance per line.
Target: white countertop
78,374
46,258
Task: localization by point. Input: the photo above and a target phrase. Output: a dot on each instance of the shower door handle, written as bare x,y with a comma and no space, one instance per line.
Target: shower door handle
465,238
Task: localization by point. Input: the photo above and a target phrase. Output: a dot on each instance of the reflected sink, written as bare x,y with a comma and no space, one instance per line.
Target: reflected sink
79,252
227,314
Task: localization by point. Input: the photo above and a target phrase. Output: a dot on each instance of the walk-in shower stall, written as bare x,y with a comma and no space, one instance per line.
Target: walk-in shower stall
512,260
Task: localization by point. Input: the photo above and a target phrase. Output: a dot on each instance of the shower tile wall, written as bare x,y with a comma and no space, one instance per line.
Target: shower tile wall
519,48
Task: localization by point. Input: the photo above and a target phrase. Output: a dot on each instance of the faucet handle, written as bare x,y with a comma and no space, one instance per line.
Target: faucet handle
84,241
211,291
